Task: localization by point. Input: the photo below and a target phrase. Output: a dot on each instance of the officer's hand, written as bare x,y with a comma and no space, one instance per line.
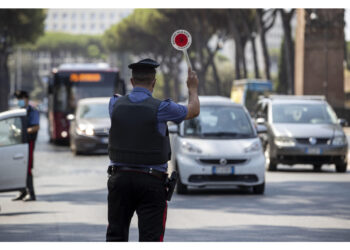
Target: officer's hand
192,80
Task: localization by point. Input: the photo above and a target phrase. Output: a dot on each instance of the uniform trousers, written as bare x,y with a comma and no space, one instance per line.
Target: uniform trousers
29,183
130,191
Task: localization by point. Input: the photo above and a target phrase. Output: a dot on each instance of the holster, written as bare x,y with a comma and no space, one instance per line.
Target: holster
170,184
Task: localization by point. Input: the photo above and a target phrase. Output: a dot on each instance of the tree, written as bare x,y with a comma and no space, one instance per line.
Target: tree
17,26
265,20
288,47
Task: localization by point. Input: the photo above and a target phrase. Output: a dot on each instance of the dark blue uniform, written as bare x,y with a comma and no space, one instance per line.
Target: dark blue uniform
133,190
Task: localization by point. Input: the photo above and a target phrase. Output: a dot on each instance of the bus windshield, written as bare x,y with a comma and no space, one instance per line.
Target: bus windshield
68,90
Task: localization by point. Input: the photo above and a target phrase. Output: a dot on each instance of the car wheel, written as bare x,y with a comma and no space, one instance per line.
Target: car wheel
270,164
180,187
341,168
317,167
259,189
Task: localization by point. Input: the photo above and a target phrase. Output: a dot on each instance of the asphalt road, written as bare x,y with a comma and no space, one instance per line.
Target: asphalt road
298,205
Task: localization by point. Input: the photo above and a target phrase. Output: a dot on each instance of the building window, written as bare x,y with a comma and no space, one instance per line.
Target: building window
64,15
54,26
54,15
92,26
102,26
82,26
82,16
73,26
92,15
73,16
102,16
111,16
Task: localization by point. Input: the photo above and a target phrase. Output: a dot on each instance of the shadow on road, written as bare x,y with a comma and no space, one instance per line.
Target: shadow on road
304,198
257,233
88,197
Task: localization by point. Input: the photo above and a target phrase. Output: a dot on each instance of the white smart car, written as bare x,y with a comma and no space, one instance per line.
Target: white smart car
13,150
219,148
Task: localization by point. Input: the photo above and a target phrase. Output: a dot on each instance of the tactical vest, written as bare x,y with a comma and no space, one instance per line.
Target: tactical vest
134,137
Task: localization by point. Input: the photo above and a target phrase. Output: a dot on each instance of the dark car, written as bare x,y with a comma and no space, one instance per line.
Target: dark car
301,130
90,126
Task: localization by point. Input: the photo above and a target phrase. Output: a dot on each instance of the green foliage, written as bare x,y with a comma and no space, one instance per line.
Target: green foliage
18,26
89,46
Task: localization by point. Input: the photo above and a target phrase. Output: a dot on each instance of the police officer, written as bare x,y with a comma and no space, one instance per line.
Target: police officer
139,150
28,194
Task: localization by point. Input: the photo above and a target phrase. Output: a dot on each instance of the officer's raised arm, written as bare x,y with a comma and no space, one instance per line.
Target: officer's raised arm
193,101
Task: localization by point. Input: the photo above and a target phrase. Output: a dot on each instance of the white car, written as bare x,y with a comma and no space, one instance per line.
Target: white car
13,150
219,148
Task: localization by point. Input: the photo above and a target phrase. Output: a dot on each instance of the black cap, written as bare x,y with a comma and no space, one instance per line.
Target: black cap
21,94
144,64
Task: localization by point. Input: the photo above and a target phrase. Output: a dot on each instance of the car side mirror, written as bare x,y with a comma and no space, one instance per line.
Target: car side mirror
260,120
70,117
173,129
343,122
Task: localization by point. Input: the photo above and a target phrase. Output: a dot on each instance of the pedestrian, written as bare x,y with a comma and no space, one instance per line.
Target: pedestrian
28,194
139,150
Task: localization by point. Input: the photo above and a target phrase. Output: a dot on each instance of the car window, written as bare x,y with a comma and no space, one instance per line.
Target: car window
10,131
93,110
220,122
303,113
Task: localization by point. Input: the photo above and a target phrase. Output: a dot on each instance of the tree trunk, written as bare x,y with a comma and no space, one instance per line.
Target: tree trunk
4,82
237,65
264,44
244,64
289,49
256,65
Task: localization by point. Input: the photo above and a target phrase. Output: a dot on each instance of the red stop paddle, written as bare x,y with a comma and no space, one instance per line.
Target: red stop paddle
181,40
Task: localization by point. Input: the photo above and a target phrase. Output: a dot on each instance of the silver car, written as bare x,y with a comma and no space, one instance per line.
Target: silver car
90,126
301,130
219,148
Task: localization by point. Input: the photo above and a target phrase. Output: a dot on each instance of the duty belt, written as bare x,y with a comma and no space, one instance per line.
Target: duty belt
114,169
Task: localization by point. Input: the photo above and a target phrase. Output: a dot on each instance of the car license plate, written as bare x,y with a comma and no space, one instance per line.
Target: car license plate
313,151
223,170
105,140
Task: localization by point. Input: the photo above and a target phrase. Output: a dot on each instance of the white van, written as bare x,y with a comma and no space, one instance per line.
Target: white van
219,148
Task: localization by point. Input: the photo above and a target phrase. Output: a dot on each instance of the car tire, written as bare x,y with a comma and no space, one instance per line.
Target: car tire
180,187
317,167
341,168
259,189
270,164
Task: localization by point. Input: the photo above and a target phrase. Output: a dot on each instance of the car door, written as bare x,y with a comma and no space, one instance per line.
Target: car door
13,150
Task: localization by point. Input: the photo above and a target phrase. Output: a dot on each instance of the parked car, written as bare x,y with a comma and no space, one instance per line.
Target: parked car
90,126
301,130
219,148
13,150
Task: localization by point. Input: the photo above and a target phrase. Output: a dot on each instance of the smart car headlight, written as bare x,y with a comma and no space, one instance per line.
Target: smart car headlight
254,147
285,141
339,140
190,148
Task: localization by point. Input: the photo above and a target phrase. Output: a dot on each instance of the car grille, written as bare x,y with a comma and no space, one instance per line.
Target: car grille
217,161
101,132
319,141
218,178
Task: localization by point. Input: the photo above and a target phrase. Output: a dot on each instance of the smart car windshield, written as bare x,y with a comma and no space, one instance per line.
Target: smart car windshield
303,113
94,110
220,122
